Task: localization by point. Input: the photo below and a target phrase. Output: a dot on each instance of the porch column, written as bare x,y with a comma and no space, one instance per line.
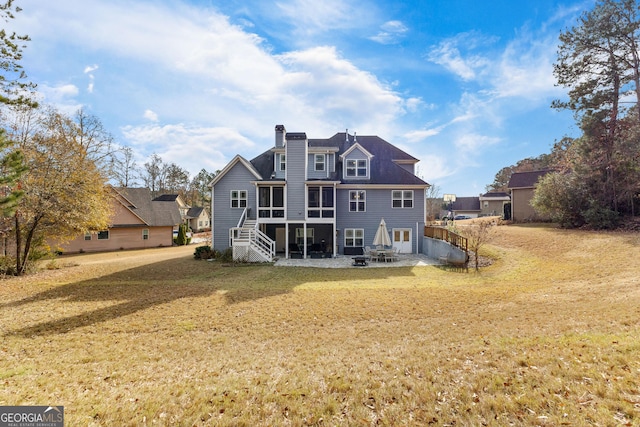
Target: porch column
286,244
304,237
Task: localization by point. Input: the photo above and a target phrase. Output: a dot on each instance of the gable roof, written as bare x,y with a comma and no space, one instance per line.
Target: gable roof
237,159
195,212
526,179
153,213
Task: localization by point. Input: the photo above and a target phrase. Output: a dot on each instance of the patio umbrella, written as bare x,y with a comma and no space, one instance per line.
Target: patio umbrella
382,235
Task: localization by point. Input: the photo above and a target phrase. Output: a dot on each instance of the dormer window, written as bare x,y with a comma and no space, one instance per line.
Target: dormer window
356,168
319,162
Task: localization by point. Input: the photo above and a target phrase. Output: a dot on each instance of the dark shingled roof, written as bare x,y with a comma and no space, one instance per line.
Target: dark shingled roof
383,168
496,194
194,212
166,198
466,204
156,213
526,179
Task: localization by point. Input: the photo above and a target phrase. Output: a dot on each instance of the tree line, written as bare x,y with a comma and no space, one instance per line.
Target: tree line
56,170
594,178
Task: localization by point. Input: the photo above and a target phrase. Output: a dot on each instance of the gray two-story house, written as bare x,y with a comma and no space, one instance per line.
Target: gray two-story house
318,198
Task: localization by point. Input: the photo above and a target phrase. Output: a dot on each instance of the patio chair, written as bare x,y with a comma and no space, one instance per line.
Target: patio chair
367,252
391,256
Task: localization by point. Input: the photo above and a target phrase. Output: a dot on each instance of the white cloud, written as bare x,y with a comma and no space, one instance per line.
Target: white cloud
472,143
455,55
420,135
176,144
150,115
390,32
90,68
311,17
63,97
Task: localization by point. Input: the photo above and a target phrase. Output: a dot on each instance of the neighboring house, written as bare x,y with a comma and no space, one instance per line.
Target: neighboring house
493,203
522,186
469,206
199,219
137,222
317,197
175,198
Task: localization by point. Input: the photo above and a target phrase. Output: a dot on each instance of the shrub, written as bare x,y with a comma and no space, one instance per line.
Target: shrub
226,255
181,240
600,217
205,252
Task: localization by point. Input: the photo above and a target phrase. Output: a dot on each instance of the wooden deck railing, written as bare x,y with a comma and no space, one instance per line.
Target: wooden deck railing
441,233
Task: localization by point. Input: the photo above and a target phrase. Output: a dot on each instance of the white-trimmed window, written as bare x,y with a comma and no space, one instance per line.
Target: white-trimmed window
271,202
357,201
402,199
103,235
320,202
353,237
356,168
145,234
87,235
282,165
319,160
238,198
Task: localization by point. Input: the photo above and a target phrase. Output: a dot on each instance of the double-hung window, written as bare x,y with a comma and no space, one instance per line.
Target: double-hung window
357,201
103,235
145,234
319,162
356,168
283,162
354,237
402,198
239,198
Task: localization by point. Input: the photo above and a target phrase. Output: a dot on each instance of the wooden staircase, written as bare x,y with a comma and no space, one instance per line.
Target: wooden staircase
250,244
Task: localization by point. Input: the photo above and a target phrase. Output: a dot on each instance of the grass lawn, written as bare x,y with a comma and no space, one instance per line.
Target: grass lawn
549,334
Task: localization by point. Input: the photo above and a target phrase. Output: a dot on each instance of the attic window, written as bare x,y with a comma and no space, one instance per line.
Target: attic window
357,168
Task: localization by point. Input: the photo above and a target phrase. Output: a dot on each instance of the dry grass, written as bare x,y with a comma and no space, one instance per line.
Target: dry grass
548,335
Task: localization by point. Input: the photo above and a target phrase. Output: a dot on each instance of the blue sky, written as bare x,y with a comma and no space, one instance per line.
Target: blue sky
465,86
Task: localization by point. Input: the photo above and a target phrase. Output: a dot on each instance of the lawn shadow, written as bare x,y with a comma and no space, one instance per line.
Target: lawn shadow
158,283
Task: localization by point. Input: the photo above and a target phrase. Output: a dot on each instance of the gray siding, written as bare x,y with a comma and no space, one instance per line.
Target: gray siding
296,175
312,173
378,207
225,217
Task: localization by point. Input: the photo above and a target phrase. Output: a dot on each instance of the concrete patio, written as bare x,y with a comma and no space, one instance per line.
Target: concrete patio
346,261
